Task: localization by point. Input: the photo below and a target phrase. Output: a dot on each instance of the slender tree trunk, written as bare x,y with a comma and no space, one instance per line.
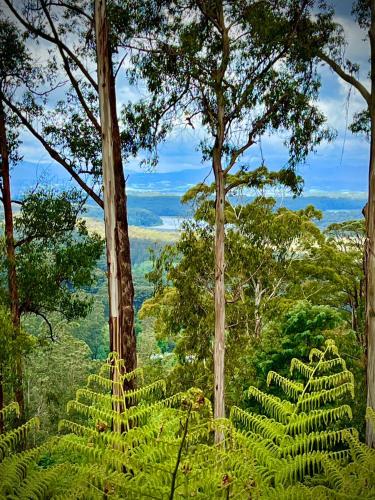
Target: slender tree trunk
11,256
370,247
120,282
354,304
258,317
355,320
219,348
1,402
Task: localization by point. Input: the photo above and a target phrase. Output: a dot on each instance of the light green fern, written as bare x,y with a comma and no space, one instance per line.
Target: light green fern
302,437
163,448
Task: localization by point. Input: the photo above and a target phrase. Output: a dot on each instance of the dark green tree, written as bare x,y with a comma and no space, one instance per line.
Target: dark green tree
15,69
55,255
332,273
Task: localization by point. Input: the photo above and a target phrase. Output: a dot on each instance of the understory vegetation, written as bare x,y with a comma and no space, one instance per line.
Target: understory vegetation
299,445
295,415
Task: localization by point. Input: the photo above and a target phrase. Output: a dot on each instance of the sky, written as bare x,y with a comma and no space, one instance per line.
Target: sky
339,167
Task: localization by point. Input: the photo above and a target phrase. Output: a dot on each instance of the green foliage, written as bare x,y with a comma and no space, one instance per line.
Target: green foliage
15,62
302,327
264,245
164,450
143,444
53,372
332,273
55,255
206,68
14,346
301,440
10,440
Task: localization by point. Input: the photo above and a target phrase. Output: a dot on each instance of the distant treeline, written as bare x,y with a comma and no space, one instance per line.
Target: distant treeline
146,210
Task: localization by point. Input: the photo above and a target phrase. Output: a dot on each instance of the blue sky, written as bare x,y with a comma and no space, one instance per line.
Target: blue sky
338,167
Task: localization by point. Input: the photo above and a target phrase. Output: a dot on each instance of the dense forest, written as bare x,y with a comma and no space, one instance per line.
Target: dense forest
232,356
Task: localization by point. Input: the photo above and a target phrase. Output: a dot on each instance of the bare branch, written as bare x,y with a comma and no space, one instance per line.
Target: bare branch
52,152
49,38
347,77
72,79
73,8
17,202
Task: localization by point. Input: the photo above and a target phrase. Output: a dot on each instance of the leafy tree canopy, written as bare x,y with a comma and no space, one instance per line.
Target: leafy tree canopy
56,256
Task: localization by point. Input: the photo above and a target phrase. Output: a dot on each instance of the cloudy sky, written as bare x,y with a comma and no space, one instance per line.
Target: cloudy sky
337,167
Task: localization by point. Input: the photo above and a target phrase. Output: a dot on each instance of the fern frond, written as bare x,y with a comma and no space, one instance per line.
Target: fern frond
9,409
302,423
11,439
106,415
157,387
357,449
296,469
333,473
330,364
14,469
260,424
312,401
315,353
316,441
303,368
331,347
290,387
280,410
264,451
103,382
330,381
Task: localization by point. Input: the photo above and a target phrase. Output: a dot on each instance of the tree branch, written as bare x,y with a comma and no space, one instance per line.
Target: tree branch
73,81
347,77
73,8
48,323
53,153
32,29
17,202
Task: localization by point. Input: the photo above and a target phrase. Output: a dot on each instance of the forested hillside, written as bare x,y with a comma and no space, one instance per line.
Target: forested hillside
232,357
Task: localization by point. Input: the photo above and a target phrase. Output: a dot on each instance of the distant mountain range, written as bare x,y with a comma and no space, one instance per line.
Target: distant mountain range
152,195
27,174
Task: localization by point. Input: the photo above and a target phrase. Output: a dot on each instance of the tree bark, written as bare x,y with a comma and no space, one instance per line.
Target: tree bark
257,315
219,347
370,248
120,282
11,256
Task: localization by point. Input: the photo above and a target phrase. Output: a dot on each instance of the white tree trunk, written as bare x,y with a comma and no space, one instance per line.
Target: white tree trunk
219,348
120,283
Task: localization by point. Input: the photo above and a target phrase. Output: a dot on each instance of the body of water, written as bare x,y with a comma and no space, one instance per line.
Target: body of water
172,223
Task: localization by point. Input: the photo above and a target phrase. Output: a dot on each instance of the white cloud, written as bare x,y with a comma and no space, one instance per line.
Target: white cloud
357,49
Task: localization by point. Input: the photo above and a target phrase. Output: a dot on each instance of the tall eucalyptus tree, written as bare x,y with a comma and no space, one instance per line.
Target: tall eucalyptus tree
333,54
232,69
72,132
14,67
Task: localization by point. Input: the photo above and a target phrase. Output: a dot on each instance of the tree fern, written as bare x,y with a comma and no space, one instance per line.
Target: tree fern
299,449
302,438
